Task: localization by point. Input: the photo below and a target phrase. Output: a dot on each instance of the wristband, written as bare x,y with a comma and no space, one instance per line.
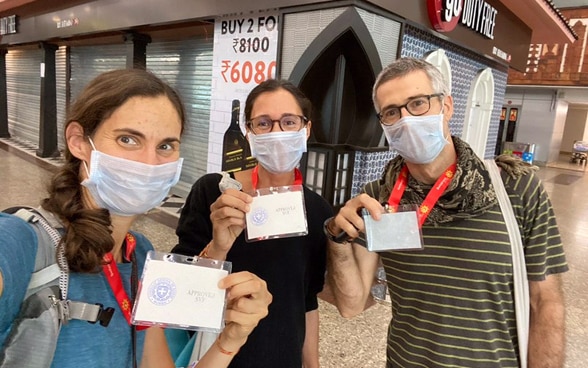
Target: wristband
223,351
341,238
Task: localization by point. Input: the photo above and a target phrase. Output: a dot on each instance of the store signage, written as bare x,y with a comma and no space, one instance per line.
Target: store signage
477,15
249,39
65,23
244,55
501,54
8,25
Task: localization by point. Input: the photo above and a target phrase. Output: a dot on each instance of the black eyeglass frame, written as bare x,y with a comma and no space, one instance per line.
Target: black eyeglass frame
249,123
405,106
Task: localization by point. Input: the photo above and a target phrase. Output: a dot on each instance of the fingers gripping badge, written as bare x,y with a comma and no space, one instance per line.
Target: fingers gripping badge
228,183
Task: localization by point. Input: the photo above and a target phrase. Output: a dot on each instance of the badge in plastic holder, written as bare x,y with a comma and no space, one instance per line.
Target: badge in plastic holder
276,212
398,230
181,292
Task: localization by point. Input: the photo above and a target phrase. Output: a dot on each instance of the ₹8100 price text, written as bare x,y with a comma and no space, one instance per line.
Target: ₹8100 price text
247,71
251,44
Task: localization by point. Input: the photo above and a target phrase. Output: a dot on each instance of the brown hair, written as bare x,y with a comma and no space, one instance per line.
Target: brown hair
403,66
88,231
272,85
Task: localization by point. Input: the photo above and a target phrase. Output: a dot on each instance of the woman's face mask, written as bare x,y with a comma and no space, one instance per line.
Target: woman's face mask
418,139
278,152
126,187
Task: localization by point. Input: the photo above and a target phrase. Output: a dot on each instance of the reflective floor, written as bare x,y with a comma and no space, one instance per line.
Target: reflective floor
359,342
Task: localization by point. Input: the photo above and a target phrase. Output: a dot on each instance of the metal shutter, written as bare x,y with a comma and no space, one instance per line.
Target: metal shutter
89,61
61,92
23,79
187,66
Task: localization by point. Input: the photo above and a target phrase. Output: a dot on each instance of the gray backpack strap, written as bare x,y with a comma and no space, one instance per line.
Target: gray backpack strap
53,270
35,330
519,269
67,309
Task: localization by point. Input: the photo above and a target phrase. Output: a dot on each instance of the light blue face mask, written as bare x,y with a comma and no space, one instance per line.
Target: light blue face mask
278,152
126,187
418,139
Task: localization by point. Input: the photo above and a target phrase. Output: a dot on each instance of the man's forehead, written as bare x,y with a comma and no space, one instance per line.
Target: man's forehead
400,89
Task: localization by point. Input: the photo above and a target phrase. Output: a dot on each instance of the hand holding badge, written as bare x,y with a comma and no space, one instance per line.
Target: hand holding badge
181,292
276,212
398,230
400,227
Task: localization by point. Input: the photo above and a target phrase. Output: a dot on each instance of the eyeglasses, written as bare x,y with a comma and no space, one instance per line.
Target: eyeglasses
416,106
288,123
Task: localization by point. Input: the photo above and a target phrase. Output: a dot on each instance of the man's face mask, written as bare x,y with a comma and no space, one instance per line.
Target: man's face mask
418,139
278,152
126,187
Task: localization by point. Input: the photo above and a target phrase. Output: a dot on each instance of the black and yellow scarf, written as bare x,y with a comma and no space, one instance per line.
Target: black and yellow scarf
469,194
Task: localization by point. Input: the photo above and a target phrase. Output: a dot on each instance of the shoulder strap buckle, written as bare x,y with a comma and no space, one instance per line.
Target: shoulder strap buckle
105,315
91,313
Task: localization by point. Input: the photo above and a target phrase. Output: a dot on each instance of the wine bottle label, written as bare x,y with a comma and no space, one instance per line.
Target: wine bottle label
234,143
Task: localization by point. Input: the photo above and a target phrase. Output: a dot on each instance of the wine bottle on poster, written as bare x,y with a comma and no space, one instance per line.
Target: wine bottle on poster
234,142
249,161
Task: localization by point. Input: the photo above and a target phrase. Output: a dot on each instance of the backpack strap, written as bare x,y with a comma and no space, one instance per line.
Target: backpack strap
519,269
67,309
53,270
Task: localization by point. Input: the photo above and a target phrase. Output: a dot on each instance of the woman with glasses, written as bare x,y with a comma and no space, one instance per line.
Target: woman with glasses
211,223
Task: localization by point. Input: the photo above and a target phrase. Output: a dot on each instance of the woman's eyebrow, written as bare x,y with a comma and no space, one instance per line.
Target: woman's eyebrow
141,135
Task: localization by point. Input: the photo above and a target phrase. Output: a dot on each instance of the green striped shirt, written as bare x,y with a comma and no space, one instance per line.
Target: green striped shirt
452,303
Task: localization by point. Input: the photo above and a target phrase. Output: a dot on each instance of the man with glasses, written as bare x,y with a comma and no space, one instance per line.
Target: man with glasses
452,293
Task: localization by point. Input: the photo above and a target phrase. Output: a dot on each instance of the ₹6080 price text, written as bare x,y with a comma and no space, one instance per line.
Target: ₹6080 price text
250,38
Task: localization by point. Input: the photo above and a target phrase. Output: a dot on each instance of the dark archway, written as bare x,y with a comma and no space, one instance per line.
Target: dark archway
337,72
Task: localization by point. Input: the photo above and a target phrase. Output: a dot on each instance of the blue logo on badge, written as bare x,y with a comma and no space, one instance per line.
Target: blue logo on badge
259,216
162,291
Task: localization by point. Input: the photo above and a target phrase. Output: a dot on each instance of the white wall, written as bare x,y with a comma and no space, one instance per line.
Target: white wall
537,120
575,95
575,128
548,122
559,125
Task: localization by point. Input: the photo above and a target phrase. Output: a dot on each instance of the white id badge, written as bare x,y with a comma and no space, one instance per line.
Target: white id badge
398,230
276,212
181,292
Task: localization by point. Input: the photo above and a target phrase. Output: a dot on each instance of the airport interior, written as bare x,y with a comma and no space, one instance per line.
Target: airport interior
516,69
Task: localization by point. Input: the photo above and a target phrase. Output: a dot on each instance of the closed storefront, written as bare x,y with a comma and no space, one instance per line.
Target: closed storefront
61,90
187,66
23,84
89,61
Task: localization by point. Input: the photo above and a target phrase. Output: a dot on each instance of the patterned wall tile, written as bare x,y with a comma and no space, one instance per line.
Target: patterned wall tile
465,65
385,34
300,29
369,166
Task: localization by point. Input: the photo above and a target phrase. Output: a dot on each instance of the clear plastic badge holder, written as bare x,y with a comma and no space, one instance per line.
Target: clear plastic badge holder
398,230
276,212
181,292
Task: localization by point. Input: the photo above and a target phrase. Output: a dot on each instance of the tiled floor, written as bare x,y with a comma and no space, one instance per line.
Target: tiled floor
359,342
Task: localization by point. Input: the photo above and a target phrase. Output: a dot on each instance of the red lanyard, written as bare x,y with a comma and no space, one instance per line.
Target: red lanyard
114,280
431,198
255,177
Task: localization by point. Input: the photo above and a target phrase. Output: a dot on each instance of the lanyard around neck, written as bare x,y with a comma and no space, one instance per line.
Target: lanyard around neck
430,200
112,275
255,177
